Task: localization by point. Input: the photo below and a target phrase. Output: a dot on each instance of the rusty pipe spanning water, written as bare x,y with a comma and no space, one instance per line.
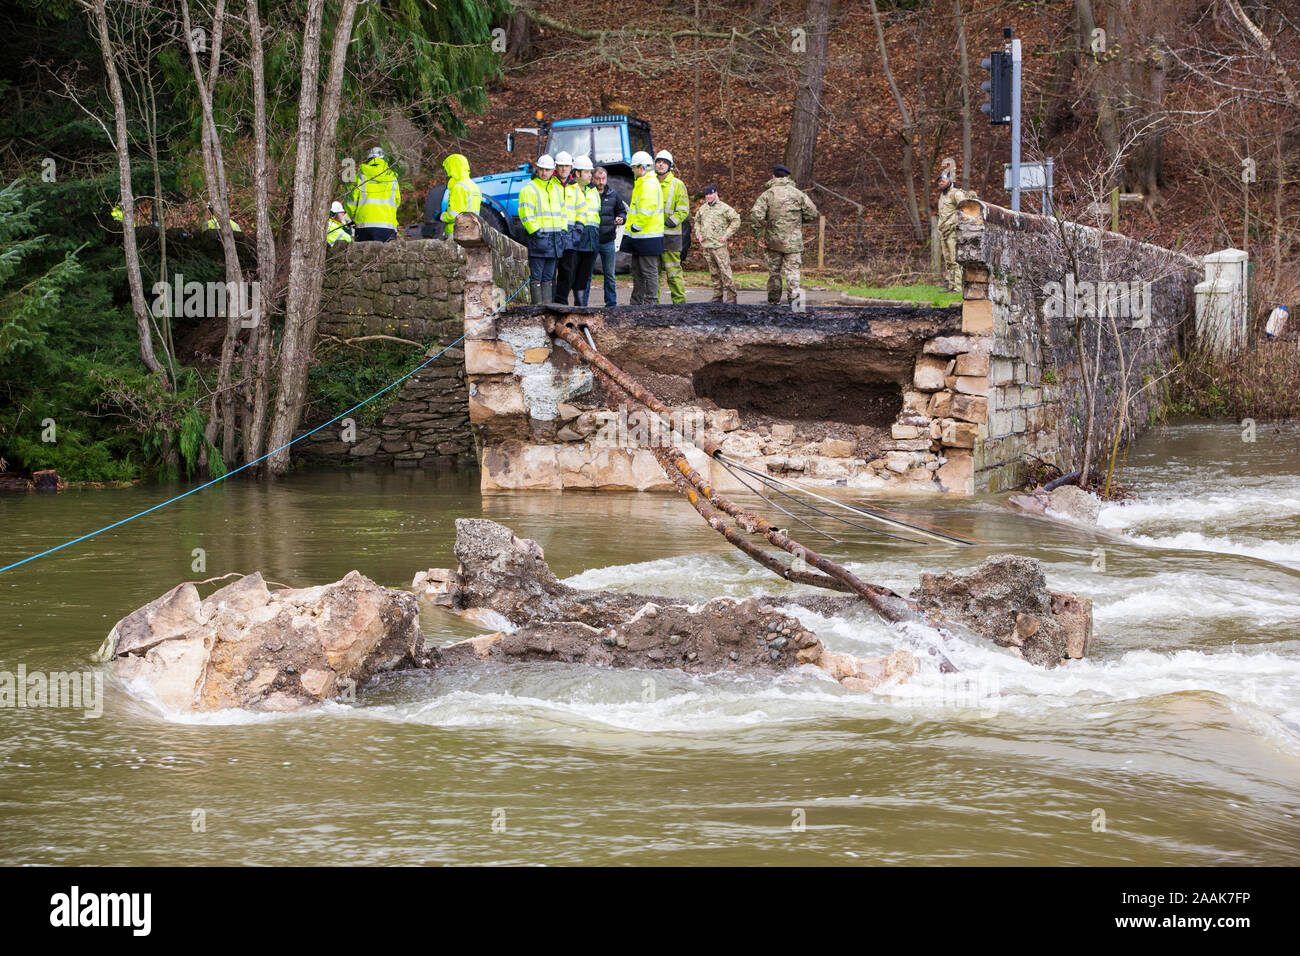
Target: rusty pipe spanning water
708,502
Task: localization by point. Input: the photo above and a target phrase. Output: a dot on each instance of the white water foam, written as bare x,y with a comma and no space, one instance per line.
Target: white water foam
1248,503
1280,552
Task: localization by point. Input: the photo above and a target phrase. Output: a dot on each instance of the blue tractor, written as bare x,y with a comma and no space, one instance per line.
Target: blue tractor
610,141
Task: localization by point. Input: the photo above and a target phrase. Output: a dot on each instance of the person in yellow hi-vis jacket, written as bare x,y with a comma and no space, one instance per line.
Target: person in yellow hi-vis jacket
677,209
582,257
543,217
562,182
463,194
211,223
644,237
375,198
337,230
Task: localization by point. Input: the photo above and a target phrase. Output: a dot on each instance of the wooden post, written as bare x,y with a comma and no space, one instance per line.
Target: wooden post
821,243
1114,209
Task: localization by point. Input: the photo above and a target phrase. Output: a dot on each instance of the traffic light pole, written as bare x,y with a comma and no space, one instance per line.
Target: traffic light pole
1015,120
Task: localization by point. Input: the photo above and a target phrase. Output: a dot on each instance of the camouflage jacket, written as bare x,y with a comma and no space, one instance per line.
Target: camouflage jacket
715,224
779,214
949,199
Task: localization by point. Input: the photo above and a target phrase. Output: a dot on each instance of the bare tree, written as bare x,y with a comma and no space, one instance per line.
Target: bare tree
259,346
963,61
218,190
801,145
315,172
906,131
122,146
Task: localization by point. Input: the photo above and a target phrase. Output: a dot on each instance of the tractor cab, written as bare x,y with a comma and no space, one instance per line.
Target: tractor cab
609,140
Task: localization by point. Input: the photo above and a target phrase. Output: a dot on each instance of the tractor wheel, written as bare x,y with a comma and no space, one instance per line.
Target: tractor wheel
432,227
494,219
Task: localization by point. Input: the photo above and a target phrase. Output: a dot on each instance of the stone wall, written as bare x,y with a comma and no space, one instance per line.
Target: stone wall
1033,286
411,288
416,289
427,426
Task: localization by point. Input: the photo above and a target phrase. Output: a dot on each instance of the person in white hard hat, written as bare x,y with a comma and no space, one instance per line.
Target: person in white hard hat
337,230
677,209
542,216
644,238
562,183
575,273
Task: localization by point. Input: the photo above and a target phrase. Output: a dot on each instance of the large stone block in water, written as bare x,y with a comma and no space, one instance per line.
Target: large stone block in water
246,646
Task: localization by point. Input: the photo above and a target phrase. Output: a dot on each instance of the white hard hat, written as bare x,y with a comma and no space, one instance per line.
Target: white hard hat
545,162
336,207
642,159
582,162
563,159
665,155
376,153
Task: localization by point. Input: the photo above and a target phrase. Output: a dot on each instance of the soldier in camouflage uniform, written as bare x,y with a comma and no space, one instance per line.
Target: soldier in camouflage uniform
949,198
715,223
778,217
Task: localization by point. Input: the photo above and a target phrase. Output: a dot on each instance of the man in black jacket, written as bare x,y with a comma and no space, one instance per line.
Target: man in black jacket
613,213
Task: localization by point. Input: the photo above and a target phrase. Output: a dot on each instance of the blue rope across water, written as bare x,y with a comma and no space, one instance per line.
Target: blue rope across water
164,504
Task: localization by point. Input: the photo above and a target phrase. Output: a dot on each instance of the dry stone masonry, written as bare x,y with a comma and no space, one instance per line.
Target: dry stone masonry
417,290
412,289
884,399
828,396
1032,285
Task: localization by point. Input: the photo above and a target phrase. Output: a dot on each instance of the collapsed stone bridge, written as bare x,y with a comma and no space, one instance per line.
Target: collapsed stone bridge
886,399
827,394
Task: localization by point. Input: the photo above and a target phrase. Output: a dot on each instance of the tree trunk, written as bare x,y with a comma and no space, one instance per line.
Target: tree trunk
1060,108
222,408
1103,94
801,146
1146,170
519,38
260,339
964,66
907,132
314,175
122,145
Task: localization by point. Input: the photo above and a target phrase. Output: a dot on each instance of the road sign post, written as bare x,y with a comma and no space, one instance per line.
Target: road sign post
1014,50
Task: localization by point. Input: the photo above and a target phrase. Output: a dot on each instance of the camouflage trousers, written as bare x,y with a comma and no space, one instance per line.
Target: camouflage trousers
671,275
719,263
782,265
952,271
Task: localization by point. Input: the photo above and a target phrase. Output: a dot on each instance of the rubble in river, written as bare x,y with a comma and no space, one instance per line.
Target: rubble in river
246,646
507,577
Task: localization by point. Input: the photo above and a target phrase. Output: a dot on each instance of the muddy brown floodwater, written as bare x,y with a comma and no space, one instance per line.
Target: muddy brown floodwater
1181,732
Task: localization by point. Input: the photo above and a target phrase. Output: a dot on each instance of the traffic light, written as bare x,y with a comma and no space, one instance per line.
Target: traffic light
998,87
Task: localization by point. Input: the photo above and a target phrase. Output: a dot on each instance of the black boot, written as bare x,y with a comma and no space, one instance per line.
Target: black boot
548,293
535,292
